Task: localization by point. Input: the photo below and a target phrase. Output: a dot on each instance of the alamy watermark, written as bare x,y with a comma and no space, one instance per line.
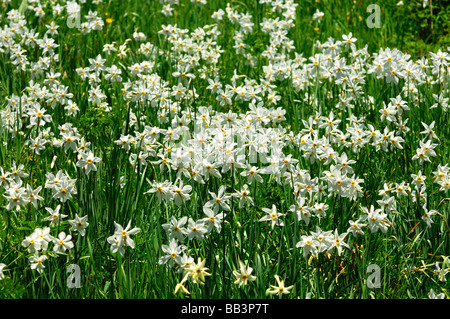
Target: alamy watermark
374,279
374,20
74,21
74,279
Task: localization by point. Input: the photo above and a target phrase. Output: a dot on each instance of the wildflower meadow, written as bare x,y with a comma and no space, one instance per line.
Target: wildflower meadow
222,149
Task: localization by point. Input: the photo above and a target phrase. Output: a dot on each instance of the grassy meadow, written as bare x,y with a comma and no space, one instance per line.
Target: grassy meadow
211,149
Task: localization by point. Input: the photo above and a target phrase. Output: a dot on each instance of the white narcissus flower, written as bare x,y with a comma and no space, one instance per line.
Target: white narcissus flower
17,172
181,193
16,197
252,174
318,15
244,275
375,218
37,262
213,219
198,271
432,295
309,245
87,162
115,245
272,216
427,215
55,217
337,241
64,190
418,179
322,239
175,228
173,253
356,227
349,40
196,229
444,183
4,177
243,196
162,190
62,243
220,199
280,289
44,236
79,224
441,272
121,238
33,242
428,131
185,262
33,195
301,209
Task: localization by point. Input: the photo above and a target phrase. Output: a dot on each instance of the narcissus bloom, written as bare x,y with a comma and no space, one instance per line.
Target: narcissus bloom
173,253
196,229
272,216
280,289
433,295
375,218
87,162
198,271
79,224
121,238
309,245
55,216
33,242
37,262
244,275
212,219
62,243
337,241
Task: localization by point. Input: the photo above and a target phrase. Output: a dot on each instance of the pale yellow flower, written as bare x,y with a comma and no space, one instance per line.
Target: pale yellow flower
244,275
198,271
280,289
